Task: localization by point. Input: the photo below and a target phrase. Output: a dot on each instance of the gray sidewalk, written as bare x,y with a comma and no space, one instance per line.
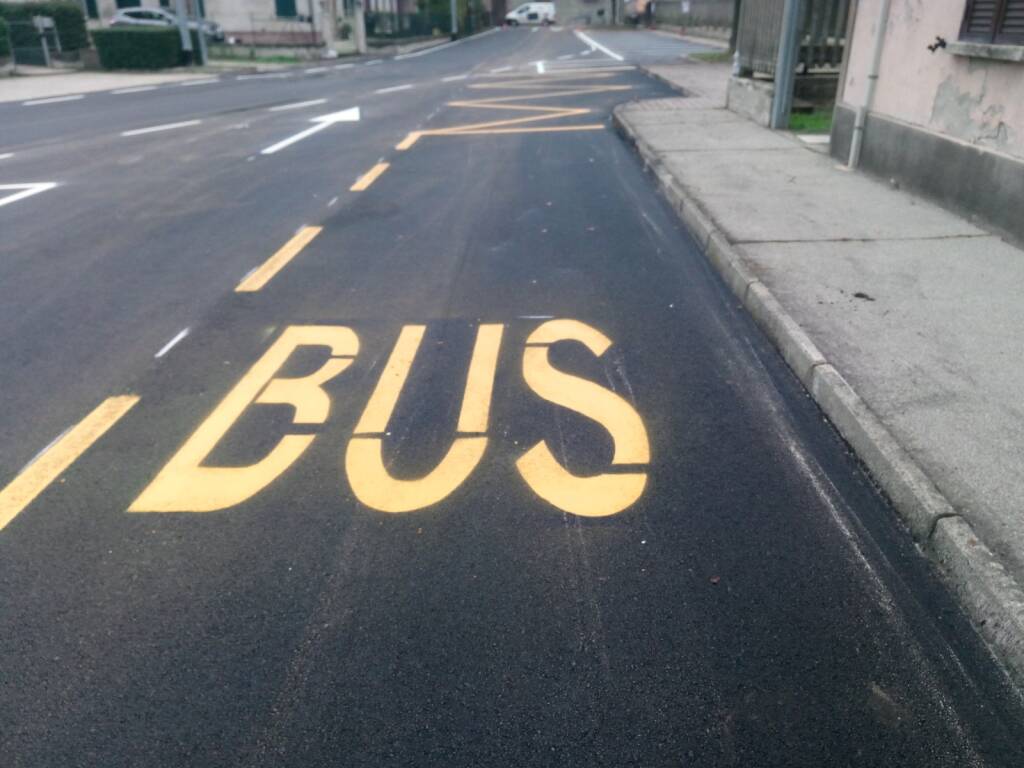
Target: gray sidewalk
903,320
53,83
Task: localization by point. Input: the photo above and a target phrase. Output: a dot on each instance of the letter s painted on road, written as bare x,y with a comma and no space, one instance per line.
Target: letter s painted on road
600,495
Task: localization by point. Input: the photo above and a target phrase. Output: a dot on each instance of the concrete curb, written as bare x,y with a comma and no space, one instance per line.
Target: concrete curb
991,596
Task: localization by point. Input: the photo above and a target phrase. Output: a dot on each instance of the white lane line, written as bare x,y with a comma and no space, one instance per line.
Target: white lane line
297,105
594,44
394,88
436,48
453,78
262,76
500,69
39,455
344,66
371,63
170,344
587,52
208,81
137,89
566,56
540,67
158,128
315,70
27,190
6,155
53,100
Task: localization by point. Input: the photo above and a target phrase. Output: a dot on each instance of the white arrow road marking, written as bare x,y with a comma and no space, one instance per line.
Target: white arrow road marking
319,123
596,45
27,190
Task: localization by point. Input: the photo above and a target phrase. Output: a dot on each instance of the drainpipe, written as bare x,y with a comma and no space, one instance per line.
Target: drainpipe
876,62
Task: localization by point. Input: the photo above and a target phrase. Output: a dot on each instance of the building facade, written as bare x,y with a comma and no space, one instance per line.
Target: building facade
947,114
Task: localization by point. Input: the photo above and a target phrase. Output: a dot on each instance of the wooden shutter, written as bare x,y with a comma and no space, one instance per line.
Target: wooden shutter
993,21
1011,25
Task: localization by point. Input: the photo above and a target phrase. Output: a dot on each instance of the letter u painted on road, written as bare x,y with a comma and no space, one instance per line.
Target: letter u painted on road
600,495
364,460
183,485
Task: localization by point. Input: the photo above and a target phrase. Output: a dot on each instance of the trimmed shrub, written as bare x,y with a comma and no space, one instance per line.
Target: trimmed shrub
67,16
5,48
137,48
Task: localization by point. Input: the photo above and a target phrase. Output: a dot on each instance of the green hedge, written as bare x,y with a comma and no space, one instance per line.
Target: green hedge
68,17
138,48
5,48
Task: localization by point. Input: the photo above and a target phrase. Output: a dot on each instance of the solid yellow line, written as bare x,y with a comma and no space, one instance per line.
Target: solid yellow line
58,457
549,129
369,177
262,275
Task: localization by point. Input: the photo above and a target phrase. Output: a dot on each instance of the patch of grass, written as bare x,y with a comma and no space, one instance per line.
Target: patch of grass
819,121
241,53
712,56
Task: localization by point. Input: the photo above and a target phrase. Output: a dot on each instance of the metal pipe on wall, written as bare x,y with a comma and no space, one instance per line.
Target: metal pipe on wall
857,141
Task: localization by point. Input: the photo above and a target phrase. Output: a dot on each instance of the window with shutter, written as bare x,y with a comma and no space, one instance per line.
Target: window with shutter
994,21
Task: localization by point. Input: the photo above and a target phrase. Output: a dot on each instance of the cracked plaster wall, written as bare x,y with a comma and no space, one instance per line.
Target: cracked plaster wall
979,101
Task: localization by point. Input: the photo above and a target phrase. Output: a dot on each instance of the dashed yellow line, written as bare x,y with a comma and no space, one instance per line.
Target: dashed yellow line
62,454
263,274
369,177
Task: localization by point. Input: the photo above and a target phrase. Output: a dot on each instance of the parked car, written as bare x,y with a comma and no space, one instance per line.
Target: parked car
158,17
531,13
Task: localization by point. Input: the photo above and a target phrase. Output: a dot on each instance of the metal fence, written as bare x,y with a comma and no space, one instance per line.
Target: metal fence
696,13
822,34
32,45
277,31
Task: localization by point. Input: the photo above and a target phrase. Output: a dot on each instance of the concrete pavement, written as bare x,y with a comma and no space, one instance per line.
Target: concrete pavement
916,308
429,439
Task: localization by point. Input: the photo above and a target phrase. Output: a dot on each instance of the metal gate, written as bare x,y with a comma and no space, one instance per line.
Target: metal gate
35,42
822,34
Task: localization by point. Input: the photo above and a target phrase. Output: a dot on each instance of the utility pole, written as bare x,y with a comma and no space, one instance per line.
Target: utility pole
359,22
734,33
181,14
455,19
204,56
785,65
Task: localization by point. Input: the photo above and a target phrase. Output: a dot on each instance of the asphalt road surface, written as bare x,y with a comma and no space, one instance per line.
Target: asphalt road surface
427,439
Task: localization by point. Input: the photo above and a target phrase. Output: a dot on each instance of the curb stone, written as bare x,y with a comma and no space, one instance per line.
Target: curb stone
991,596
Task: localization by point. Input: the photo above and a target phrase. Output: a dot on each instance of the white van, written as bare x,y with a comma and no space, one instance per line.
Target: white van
531,13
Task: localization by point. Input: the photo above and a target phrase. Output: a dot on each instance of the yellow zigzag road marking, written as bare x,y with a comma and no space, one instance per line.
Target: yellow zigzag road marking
539,88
